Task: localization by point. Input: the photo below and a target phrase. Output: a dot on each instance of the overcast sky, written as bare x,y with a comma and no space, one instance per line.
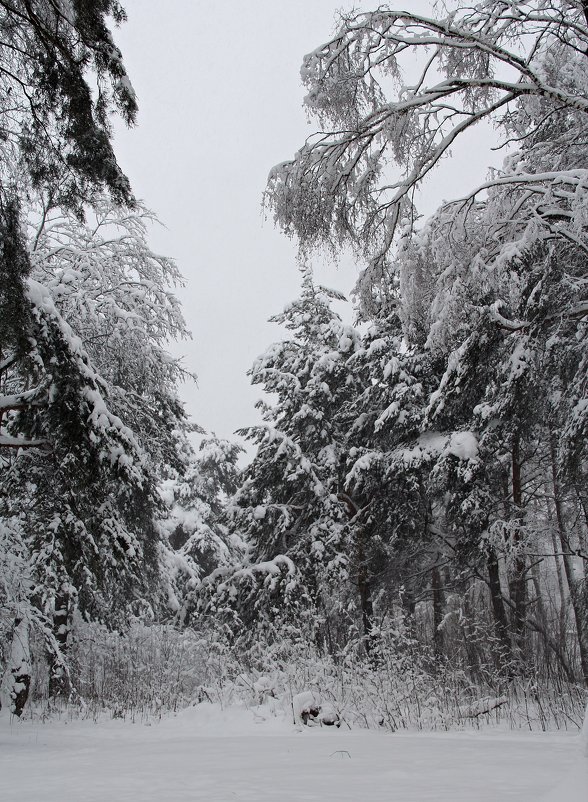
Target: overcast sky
220,103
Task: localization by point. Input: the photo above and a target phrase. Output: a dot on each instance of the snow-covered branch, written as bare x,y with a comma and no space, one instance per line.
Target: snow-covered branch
494,62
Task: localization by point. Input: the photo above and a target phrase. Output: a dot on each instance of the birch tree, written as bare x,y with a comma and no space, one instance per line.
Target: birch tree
389,116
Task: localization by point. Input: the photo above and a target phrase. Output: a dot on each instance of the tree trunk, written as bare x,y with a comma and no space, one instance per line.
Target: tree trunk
17,678
558,571
498,608
438,608
578,594
518,584
363,579
583,533
365,591
58,677
540,607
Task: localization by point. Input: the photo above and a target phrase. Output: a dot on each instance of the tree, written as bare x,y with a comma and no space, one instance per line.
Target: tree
97,391
197,523
84,504
118,297
53,121
379,420
494,62
88,404
290,510
56,135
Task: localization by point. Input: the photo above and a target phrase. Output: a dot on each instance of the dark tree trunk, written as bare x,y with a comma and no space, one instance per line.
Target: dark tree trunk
408,602
18,681
365,591
363,577
58,678
518,584
438,608
583,533
498,608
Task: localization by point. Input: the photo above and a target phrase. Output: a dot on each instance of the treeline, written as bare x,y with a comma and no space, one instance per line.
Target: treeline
432,462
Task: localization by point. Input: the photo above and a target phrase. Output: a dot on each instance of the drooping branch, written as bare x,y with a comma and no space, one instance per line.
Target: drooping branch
20,401
6,441
477,63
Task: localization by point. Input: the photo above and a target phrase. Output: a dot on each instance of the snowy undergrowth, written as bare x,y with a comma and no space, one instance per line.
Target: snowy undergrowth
155,669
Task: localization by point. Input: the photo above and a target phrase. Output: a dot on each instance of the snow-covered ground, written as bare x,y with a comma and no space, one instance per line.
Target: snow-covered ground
214,756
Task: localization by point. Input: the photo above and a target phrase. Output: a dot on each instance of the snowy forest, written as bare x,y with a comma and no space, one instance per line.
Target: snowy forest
405,542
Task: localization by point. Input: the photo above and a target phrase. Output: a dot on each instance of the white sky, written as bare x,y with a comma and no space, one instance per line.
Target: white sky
220,102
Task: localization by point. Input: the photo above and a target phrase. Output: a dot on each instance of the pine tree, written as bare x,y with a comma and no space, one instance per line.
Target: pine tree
196,525
288,509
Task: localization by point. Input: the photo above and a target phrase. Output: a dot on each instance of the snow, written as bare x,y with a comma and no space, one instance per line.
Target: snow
270,567
305,702
15,442
207,754
463,445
